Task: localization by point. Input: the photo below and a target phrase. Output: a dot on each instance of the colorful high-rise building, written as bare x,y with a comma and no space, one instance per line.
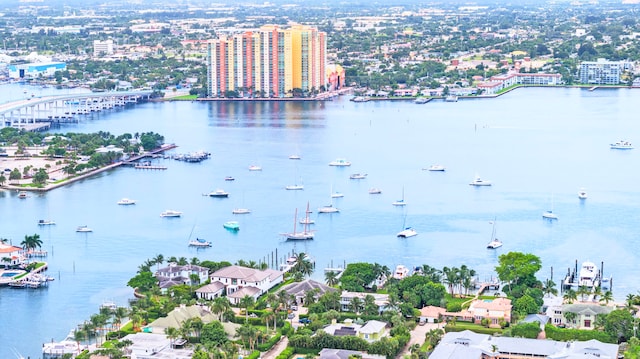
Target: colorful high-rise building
270,62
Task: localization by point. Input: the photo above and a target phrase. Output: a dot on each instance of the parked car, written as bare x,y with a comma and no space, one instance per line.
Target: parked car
291,316
304,320
294,307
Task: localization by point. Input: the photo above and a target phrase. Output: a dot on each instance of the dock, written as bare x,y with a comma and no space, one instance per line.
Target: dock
149,167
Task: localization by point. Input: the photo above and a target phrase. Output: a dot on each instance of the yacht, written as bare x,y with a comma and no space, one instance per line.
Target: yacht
199,242
479,182
421,100
401,272
229,178
45,222
84,229
231,225
337,195
328,209
407,232
126,201
358,176
495,243
435,168
171,213
294,187
22,194
582,193
451,98
241,211
549,215
375,190
255,168
340,162
219,193
295,157
589,275
622,145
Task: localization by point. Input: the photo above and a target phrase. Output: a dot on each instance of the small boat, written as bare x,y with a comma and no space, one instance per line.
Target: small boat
400,202
171,213
241,211
231,225
451,98
126,201
407,232
337,195
375,190
22,194
219,193
307,220
495,242
328,209
255,168
582,193
622,145
549,215
295,157
479,182
306,234
340,162
84,229
358,176
439,168
45,222
199,242
229,178
421,100
294,187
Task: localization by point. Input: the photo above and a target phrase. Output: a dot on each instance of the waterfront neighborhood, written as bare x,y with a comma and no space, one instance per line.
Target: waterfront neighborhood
282,306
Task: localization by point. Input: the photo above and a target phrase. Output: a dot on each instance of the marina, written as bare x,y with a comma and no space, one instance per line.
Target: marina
443,208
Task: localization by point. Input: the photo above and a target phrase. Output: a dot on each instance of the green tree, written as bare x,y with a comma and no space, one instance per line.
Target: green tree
31,242
331,278
213,334
246,302
525,305
606,297
549,287
515,267
619,324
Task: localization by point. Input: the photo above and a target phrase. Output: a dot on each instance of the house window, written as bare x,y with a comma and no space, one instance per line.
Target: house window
234,281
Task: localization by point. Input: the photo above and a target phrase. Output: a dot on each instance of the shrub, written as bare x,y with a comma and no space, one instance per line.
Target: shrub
454,307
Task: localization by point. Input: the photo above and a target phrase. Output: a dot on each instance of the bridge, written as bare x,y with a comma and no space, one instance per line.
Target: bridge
38,113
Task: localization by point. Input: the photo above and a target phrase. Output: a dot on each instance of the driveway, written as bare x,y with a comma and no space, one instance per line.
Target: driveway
418,336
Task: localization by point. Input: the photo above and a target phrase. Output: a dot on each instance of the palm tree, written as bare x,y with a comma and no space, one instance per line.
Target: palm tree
570,296
450,277
606,297
220,305
355,305
433,337
158,260
246,302
172,333
570,316
284,298
31,242
549,287
583,291
310,297
303,265
331,278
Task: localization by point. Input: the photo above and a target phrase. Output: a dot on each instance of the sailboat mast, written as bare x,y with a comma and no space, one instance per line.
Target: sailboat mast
295,219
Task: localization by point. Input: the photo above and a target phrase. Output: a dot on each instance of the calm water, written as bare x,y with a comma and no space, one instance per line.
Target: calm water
537,146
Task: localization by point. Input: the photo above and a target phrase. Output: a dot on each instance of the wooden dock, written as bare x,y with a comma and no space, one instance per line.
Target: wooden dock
150,167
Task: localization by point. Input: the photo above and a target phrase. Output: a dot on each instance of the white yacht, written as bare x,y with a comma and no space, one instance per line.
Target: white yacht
219,193
549,215
22,194
337,195
171,213
358,176
439,168
340,162
84,229
199,242
407,232
582,193
399,202
241,211
375,190
401,272
295,157
255,168
328,209
46,222
495,243
622,145
477,181
589,275
294,187
126,201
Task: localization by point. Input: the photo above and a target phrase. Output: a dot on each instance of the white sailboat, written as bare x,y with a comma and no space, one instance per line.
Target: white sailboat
298,236
495,242
400,202
549,214
406,232
295,186
198,242
329,208
307,219
241,210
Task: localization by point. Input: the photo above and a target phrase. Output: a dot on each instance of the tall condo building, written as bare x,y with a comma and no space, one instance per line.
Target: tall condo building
270,62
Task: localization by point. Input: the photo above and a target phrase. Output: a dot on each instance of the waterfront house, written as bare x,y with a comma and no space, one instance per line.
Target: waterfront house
175,274
327,353
248,281
10,255
371,331
470,345
585,314
431,314
210,291
381,300
298,290
495,310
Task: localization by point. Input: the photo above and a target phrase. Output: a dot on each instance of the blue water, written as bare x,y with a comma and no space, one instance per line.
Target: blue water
537,146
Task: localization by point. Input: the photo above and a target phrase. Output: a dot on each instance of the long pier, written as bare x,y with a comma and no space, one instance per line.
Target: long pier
38,113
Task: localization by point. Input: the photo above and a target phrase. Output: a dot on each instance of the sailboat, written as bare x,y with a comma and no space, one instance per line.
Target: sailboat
329,208
306,219
241,210
198,242
297,236
400,202
495,242
407,231
295,186
46,222
549,214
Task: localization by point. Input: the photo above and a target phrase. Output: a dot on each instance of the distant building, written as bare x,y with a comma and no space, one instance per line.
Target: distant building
603,72
500,82
239,281
270,62
35,70
102,48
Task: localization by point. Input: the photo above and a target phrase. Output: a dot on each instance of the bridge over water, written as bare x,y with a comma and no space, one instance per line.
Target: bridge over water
37,113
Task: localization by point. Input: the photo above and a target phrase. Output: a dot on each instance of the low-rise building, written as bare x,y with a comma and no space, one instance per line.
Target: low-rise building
585,314
371,331
381,300
35,70
497,310
246,281
175,274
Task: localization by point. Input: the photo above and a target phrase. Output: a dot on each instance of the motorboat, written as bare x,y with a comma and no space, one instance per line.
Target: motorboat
407,232
46,222
231,225
219,193
549,215
477,181
199,242
401,272
436,168
340,162
421,100
241,211
328,209
375,190
84,229
358,176
229,178
22,194
451,98
622,145
295,157
171,213
126,202
589,275
255,168
582,193
294,187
